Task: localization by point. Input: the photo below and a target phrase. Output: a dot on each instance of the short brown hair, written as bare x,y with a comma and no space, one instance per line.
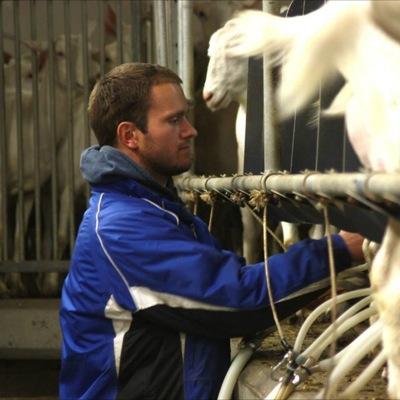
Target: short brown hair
123,94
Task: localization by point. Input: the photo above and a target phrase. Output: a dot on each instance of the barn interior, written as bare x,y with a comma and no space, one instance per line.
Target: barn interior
302,171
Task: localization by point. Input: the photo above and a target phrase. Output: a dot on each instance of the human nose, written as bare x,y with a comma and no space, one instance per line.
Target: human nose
188,130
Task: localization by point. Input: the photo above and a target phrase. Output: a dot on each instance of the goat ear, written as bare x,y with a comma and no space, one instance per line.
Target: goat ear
110,22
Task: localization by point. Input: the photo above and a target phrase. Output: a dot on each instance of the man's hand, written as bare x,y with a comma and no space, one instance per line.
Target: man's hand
354,243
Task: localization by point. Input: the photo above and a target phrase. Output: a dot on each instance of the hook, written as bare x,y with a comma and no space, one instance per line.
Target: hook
265,176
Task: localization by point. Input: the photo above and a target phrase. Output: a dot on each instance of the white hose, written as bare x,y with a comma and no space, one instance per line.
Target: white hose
318,346
355,352
326,364
237,365
365,376
320,310
348,318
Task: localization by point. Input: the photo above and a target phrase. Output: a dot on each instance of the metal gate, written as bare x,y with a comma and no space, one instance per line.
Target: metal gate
51,54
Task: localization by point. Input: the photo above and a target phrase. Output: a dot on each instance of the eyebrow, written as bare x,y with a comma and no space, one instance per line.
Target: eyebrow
181,113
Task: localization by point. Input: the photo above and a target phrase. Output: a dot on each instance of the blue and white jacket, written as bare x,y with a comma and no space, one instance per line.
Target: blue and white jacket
151,299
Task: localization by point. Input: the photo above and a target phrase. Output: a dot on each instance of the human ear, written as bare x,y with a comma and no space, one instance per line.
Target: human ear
127,134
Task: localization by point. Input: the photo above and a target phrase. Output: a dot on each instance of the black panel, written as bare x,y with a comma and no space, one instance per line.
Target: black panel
253,149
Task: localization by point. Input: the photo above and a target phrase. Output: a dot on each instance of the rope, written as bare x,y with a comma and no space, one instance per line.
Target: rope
193,198
267,276
269,230
322,205
209,198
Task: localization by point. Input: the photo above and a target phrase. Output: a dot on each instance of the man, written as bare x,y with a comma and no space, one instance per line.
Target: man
151,299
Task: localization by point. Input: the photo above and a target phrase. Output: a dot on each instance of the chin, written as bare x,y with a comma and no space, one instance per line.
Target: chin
182,169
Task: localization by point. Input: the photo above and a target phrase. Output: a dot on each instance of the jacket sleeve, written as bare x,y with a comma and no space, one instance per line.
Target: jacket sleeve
155,263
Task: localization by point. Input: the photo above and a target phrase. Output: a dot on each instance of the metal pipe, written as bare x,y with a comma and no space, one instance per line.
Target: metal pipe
100,16
271,139
52,126
85,55
20,246
185,47
171,34
136,31
379,185
34,266
120,39
149,40
36,130
160,29
70,124
3,153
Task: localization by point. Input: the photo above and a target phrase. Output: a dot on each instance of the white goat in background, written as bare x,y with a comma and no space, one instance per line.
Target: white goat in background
49,282
347,37
13,279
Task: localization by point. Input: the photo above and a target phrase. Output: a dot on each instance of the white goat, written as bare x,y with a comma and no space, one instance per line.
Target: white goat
49,282
226,81
387,15
342,36
49,285
13,158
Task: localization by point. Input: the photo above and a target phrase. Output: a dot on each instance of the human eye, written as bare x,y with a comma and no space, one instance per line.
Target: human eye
175,119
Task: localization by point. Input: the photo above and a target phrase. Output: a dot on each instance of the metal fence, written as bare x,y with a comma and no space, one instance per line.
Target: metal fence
51,54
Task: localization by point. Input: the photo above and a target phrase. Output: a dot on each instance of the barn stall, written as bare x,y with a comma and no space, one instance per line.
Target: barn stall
52,53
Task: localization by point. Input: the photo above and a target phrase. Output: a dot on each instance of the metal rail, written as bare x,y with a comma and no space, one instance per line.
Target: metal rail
34,266
375,186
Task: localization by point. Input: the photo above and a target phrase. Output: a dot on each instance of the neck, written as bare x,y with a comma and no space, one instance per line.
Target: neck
160,179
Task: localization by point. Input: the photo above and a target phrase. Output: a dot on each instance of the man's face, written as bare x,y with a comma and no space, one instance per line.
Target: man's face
165,149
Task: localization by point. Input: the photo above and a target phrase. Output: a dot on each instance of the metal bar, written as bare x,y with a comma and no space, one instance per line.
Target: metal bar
51,98
170,36
185,47
3,152
379,185
120,39
34,266
36,130
85,52
85,56
100,16
70,124
20,246
149,40
160,29
136,31
271,139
